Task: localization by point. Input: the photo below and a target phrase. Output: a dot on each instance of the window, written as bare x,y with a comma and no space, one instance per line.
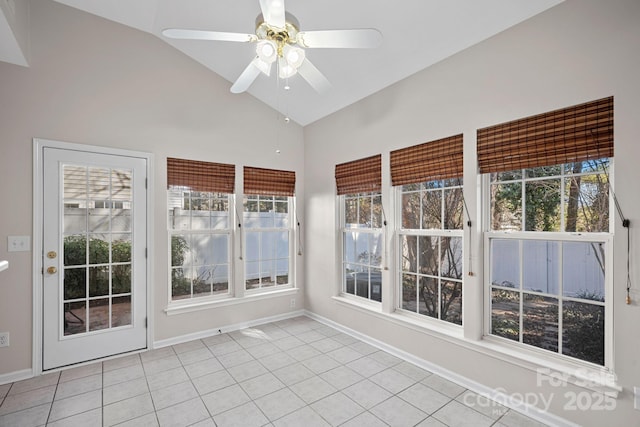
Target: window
431,249
359,185
548,243
362,245
267,223
268,228
430,224
200,201
547,281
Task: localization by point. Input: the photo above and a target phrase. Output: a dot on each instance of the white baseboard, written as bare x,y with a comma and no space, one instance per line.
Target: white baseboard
12,377
225,329
480,389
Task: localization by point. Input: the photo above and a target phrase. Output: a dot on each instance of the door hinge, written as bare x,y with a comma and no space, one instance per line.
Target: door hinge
145,253
146,183
146,322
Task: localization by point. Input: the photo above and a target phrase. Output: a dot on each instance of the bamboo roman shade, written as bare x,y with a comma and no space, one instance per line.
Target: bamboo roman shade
360,176
269,182
440,159
573,134
201,176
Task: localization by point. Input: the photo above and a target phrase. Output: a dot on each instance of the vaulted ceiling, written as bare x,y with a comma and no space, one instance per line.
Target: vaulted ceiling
416,35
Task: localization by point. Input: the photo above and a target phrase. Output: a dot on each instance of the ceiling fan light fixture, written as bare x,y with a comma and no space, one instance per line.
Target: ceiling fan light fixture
266,51
285,70
294,55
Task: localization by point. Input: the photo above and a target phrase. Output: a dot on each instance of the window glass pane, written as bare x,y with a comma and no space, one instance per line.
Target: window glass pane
553,170
409,293
451,306
252,246
375,249
375,283
541,266
432,210
365,211
540,321
179,250
428,303
506,207
351,211
505,314
376,212
583,331
121,279
202,281
409,247
451,256
587,206
121,247
121,311
180,283
252,274
453,209
583,270
221,279
282,244
99,248
268,245
506,176
411,211
542,205
505,263
428,259
361,279
349,251
350,275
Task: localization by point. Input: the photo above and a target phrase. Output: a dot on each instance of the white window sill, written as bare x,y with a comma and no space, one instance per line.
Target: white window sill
552,370
182,307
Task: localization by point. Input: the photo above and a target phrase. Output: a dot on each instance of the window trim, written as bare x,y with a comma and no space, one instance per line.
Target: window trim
527,351
342,230
291,229
230,231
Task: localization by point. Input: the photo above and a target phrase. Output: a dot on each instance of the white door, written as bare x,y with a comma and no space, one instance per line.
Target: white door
94,255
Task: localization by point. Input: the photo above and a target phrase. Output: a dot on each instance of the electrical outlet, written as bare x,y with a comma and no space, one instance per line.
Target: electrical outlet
636,397
293,302
18,243
4,339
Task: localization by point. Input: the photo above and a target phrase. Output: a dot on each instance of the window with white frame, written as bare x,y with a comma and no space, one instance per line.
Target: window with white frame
431,249
362,245
359,185
548,245
267,224
428,181
200,228
268,229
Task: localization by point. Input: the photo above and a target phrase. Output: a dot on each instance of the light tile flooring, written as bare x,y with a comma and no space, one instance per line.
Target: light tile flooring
296,372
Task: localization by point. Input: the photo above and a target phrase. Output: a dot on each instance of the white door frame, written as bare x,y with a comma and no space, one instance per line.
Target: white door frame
37,249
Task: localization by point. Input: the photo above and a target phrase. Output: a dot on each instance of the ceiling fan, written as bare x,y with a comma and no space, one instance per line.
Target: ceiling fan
278,39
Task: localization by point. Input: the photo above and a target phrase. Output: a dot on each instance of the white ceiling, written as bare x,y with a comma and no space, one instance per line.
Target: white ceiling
417,34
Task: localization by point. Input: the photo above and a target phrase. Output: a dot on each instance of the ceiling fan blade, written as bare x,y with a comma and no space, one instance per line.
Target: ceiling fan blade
361,38
273,12
175,33
246,78
314,77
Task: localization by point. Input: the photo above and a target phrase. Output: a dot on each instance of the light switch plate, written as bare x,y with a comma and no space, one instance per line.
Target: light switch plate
18,243
636,397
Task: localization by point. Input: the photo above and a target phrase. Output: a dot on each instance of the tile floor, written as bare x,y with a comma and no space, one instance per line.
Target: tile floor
295,372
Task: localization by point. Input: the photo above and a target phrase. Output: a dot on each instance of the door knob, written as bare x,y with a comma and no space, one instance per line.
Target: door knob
52,270
52,254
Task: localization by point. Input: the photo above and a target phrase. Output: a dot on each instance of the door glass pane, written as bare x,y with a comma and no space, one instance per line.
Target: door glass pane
98,203
121,311
75,314
98,314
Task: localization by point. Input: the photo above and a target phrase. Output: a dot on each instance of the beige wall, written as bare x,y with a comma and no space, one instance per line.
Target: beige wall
95,82
579,51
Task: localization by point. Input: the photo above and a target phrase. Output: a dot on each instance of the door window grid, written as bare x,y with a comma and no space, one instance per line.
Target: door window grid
267,224
430,240
199,224
97,240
